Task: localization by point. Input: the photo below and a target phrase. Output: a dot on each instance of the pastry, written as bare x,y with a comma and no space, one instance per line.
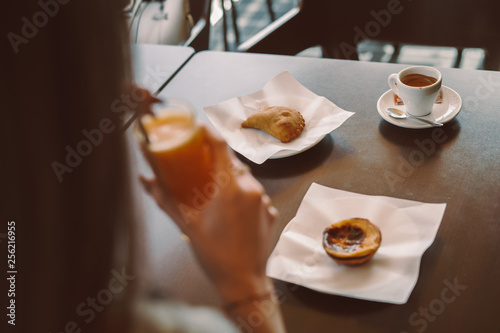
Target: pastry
352,241
281,122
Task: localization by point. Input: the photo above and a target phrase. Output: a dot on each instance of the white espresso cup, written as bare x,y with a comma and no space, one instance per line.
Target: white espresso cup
418,87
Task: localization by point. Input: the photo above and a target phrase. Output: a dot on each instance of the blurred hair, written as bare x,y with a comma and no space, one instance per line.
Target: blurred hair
70,234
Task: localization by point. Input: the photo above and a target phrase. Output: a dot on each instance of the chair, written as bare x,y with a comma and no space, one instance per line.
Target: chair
338,27
171,22
200,34
234,19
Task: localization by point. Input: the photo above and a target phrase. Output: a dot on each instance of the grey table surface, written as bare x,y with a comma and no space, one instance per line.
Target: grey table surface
461,170
155,64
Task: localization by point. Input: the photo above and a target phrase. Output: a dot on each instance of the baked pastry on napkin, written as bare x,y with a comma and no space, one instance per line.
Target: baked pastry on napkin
352,242
281,122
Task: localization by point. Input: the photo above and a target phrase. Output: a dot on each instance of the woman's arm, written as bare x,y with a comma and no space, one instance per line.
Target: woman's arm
231,237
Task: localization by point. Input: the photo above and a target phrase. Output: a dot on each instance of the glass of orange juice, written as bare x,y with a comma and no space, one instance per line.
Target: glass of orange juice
176,150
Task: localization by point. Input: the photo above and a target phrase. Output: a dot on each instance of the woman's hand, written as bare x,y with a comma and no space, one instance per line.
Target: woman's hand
231,237
231,233
145,104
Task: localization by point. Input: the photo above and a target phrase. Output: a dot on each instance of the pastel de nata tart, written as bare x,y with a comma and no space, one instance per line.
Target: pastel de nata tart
352,242
281,122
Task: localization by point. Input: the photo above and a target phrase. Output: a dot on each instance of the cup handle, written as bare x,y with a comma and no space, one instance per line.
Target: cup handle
392,80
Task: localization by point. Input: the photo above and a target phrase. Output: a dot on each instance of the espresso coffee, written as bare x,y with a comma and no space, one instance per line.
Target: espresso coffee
418,80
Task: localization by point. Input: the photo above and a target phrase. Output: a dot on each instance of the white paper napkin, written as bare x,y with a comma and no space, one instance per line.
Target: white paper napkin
408,228
321,117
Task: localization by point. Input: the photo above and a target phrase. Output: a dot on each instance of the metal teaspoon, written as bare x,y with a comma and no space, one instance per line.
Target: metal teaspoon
399,114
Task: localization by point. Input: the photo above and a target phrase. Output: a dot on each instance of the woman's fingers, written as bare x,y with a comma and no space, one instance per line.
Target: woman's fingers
153,189
164,200
272,211
153,99
146,183
146,103
219,151
223,157
225,160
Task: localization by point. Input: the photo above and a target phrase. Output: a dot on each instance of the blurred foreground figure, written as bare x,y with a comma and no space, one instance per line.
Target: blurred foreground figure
69,190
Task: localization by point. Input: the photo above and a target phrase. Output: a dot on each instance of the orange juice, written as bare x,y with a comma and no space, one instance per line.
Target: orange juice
178,153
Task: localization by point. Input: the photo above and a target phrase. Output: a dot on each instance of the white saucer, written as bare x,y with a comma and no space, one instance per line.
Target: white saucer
442,112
